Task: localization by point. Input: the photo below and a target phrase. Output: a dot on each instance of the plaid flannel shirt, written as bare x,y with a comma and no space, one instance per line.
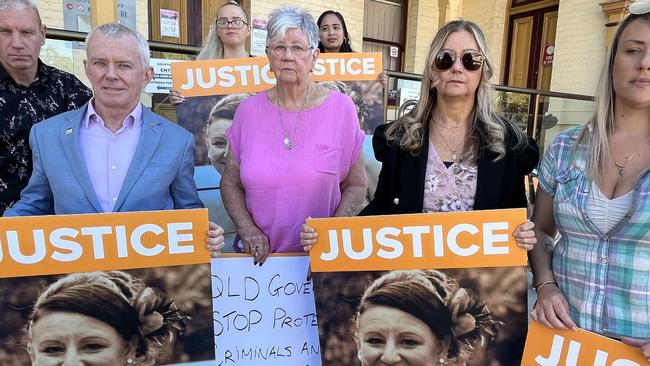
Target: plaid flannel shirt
605,276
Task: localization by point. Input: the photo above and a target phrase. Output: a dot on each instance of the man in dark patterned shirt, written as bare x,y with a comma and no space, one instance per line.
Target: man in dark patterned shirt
30,92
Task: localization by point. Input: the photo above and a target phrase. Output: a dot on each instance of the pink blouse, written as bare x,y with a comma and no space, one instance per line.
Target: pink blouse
284,187
449,189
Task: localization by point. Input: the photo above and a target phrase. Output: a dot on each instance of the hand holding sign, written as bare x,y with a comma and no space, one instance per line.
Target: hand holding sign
256,243
644,344
525,235
308,236
552,308
215,240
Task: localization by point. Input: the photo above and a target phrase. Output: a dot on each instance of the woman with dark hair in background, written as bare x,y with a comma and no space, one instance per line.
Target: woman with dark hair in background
226,39
334,37
101,319
420,318
594,185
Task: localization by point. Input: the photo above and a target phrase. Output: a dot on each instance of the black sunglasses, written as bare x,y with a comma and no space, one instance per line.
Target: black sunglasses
471,60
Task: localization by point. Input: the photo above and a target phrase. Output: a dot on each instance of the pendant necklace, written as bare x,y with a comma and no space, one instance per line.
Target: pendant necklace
621,166
454,155
288,138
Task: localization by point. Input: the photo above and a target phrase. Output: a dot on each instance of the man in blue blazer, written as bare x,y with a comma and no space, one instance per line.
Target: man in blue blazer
113,154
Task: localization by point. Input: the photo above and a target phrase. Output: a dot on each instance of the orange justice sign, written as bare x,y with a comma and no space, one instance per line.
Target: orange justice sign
418,241
39,245
250,75
551,347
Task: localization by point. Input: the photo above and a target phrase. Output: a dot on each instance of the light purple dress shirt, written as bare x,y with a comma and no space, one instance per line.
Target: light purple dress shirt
108,155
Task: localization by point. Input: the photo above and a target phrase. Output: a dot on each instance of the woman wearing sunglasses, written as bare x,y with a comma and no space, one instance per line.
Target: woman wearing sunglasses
227,39
452,152
594,185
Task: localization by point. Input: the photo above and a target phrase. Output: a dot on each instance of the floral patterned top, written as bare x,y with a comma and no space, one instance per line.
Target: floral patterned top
450,188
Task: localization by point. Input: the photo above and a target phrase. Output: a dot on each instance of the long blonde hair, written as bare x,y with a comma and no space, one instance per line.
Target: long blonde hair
212,48
601,124
410,130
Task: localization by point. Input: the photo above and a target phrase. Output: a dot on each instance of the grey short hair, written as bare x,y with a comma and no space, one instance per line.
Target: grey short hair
288,17
21,5
117,30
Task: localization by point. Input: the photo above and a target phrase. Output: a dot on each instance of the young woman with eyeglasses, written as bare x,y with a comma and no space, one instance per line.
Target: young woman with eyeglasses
226,39
594,185
452,152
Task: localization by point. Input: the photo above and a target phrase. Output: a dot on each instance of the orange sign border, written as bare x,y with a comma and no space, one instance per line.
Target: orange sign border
539,341
256,70
106,256
427,258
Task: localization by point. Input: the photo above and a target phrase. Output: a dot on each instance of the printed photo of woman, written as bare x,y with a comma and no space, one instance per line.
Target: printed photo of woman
107,318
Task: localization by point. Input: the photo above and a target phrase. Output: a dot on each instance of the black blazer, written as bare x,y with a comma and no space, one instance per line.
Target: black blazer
500,184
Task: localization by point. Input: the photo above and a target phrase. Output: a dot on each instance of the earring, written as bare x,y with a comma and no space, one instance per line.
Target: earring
442,362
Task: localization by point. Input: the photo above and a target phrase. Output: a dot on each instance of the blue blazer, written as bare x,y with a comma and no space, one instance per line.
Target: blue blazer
160,177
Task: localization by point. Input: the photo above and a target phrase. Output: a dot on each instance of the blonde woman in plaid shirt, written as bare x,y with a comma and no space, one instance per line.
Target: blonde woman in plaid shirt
595,190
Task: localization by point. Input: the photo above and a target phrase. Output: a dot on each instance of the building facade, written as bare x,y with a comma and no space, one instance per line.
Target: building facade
557,45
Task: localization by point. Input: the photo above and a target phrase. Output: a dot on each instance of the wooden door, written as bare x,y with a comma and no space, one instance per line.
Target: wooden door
166,28
530,34
520,47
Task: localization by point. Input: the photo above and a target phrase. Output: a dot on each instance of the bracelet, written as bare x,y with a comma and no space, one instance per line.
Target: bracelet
539,286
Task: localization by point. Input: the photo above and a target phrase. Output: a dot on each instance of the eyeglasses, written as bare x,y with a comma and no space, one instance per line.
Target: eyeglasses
236,24
296,49
471,61
639,7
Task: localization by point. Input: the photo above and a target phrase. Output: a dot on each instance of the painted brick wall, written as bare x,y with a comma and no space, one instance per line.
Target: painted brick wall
420,29
491,16
580,47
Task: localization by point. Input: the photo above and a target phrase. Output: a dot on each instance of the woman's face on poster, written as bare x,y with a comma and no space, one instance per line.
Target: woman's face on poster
217,143
61,338
389,336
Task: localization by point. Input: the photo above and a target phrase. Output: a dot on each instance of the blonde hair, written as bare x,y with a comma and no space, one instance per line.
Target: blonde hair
601,124
410,130
212,48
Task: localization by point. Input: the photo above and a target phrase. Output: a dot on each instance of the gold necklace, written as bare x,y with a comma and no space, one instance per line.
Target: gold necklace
621,166
288,139
454,155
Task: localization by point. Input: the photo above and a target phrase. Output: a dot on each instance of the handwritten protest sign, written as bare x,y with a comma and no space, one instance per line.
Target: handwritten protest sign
216,77
434,240
553,347
264,315
38,245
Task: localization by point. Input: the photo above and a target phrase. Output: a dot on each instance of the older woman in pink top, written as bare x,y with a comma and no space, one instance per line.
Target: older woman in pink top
294,150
